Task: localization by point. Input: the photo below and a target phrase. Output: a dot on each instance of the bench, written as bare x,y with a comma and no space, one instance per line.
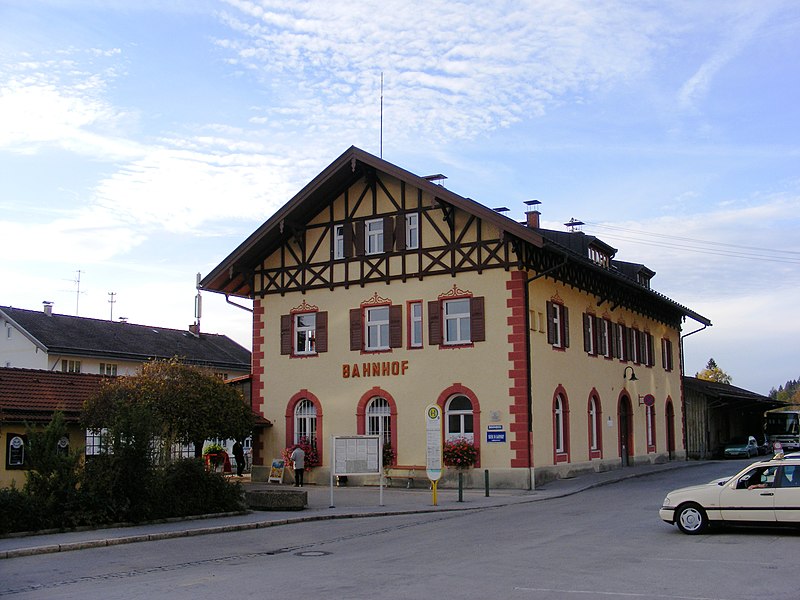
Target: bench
409,473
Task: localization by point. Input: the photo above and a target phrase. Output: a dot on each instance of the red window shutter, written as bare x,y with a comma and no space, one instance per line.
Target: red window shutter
477,319
400,232
286,334
359,235
388,234
434,323
321,334
565,315
650,351
347,234
587,332
396,326
551,331
356,331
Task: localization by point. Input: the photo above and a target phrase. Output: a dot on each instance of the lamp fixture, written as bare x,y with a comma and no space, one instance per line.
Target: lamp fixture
633,376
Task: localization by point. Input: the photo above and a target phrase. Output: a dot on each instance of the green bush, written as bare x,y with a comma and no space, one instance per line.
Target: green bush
188,489
20,512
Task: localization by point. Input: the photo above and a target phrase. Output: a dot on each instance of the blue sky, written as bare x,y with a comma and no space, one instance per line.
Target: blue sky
141,142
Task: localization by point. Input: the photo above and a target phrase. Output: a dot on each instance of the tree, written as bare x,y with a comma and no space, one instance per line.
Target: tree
713,373
171,402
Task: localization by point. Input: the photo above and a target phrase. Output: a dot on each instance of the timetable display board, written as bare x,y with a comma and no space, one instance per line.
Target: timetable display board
357,455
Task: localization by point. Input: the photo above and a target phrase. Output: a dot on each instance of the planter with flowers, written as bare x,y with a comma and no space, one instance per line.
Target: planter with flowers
214,456
389,456
459,453
311,459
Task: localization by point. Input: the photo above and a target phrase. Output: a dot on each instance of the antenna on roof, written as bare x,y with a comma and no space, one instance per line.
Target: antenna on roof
381,154
198,309
574,224
111,302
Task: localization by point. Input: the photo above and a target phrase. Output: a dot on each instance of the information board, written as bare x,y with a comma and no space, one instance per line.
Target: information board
356,455
433,438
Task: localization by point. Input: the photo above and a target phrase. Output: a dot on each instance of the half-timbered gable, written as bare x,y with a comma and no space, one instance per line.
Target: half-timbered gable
377,292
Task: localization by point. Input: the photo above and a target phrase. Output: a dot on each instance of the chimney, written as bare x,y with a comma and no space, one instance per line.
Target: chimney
48,308
532,217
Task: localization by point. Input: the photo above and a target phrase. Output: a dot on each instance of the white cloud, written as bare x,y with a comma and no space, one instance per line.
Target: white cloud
452,69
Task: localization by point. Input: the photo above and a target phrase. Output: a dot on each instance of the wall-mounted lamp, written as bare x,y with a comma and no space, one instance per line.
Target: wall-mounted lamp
633,376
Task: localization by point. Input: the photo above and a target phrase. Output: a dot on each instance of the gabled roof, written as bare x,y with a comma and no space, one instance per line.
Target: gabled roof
234,275
33,395
231,276
97,338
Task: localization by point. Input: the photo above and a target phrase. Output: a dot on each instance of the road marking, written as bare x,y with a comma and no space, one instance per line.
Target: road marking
621,594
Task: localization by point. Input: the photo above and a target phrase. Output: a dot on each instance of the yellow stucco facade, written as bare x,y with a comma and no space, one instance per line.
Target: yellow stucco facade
515,331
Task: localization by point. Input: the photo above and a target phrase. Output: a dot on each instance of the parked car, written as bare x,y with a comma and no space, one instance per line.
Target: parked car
766,492
741,446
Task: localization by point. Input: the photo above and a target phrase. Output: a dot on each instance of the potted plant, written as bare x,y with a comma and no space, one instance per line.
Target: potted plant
214,455
389,456
312,456
459,453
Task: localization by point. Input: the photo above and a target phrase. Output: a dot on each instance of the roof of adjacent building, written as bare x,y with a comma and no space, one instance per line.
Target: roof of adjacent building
233,276
98,338
30,395
725,394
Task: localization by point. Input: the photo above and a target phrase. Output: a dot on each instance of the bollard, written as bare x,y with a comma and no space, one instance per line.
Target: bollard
460,486
486,481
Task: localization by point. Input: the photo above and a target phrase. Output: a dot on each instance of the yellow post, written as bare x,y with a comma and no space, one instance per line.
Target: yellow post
435,502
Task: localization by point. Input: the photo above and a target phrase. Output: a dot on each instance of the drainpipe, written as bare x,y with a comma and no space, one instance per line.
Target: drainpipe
529,364
229,301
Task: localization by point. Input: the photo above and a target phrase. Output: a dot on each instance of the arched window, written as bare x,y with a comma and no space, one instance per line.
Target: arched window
558,421
379,419
594,424
305,422
459,418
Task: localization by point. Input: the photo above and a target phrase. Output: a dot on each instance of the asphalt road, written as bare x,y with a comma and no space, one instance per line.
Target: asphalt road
603,543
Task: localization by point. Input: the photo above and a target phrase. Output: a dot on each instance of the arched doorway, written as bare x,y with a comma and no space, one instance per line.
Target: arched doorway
625,417
670,429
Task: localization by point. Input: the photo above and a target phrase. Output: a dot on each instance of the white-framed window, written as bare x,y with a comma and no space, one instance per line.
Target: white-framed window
338,241
70,366
379,419
666,354
590,334
374,236
305,422
459,419
594,424
377,328
95,441
606,336
412,231
650,417
557,325
415,326
457,321
305,328
108,369
558,424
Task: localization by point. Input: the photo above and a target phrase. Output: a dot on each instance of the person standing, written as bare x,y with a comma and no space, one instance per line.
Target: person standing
298,462
238,454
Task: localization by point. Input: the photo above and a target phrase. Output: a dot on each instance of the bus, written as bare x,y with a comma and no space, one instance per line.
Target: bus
783,425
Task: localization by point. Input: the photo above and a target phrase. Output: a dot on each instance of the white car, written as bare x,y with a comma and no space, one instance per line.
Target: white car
766,492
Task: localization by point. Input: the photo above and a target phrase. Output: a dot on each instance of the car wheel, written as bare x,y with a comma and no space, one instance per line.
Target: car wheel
691,519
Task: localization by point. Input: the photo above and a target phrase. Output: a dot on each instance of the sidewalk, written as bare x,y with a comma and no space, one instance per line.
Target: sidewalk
349,502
